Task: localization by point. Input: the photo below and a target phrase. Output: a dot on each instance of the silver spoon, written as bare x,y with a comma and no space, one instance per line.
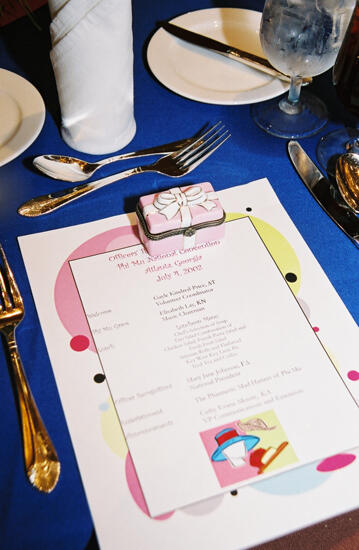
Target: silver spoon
66,168
347,178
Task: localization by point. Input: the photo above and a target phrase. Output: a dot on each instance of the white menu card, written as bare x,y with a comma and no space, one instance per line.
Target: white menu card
215,371
235,519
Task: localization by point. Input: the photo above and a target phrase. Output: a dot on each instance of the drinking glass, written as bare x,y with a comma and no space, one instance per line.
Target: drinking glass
300,38
346,81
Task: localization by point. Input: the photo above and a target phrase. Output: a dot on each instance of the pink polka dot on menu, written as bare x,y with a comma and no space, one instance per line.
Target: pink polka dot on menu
316,329
79,342
335,462
353,375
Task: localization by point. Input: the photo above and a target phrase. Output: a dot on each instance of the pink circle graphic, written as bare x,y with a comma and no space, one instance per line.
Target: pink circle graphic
67,300
79,342
353,375
335,462
136,491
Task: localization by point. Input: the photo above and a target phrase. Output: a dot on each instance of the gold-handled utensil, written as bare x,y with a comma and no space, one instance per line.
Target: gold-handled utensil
347,177
41,462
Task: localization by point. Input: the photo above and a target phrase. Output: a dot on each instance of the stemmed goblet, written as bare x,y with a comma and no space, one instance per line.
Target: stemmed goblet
301,38
345,79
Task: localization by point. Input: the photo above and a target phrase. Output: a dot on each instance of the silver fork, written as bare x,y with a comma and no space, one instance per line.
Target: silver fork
41,462
76,170
175,165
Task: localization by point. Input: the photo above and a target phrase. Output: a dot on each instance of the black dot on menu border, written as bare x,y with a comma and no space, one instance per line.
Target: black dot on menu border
249,209
99,378
234,493
291,277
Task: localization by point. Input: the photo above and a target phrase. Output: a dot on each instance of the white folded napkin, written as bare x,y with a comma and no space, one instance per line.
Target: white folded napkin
92,59
68,14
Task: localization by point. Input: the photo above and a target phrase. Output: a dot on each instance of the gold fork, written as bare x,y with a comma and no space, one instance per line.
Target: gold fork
41,461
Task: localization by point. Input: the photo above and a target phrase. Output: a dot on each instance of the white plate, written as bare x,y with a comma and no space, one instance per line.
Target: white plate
205,76
22,115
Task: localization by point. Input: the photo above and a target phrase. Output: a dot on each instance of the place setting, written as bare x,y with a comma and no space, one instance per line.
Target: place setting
190,338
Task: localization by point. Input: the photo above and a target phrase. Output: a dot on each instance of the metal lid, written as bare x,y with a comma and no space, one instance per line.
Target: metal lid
187,231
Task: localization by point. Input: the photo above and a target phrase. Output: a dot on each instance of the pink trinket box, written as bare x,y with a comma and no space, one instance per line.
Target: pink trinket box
180,218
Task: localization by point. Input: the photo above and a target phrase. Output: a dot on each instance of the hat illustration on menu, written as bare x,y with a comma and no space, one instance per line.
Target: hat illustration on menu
233,446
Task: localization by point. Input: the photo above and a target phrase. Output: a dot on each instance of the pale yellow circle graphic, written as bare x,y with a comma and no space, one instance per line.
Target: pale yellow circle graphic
278,247
112,432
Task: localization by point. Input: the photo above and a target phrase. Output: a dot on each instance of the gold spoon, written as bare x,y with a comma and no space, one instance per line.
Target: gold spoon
347,178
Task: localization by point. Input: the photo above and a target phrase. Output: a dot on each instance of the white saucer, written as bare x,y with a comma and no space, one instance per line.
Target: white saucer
205,76
22,115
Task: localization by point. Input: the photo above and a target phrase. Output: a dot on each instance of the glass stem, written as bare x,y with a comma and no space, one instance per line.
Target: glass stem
291,104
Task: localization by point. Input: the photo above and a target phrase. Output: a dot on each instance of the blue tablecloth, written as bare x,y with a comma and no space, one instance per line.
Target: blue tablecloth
61,520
